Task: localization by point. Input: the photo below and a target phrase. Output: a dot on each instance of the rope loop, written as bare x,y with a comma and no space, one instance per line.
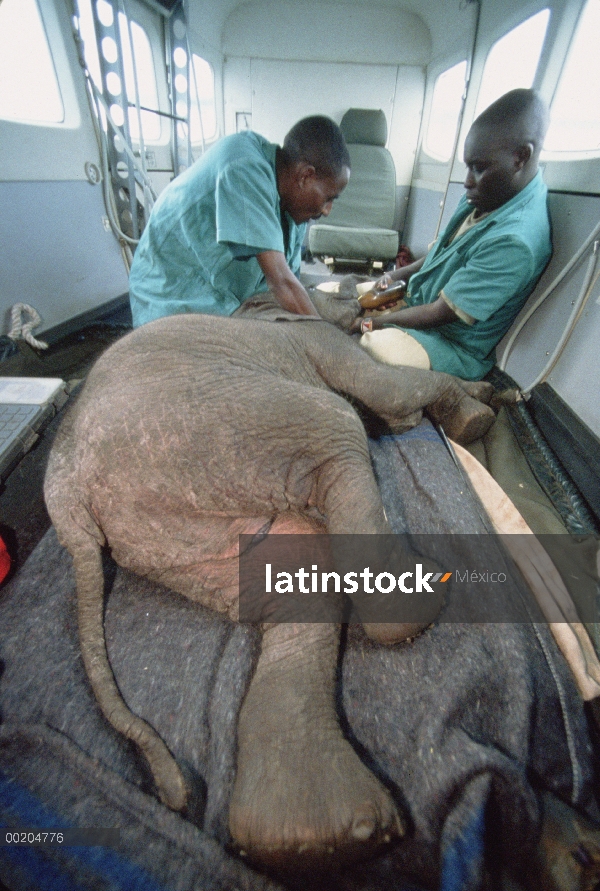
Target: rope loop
23,319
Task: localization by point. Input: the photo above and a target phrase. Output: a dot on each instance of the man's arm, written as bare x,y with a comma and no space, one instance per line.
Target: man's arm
428,315
284,285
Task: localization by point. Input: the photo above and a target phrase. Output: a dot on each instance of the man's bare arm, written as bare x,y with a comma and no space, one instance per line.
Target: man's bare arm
429,315
284,285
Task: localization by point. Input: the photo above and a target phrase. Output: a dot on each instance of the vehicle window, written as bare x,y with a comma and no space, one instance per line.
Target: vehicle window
445,110
513,60
575,110
29,89
202,79
138,50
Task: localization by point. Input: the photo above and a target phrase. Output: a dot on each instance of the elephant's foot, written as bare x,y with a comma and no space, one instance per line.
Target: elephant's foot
407,422
302,798
481,390
463,417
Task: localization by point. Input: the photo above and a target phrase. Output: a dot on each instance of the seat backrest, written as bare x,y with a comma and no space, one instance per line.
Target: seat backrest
369,200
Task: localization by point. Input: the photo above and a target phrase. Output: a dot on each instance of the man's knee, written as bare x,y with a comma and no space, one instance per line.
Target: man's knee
395,347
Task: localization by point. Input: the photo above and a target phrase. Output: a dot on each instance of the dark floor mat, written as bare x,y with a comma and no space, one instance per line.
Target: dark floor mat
545,467
70,357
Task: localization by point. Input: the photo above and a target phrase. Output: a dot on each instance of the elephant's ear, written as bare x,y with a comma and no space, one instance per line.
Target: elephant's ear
349,285
340,308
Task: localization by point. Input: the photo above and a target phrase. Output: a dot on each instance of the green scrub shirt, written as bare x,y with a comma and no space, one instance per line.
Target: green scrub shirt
198,250
488,272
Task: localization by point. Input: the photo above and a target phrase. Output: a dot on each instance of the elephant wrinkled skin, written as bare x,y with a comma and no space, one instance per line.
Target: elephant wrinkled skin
190,431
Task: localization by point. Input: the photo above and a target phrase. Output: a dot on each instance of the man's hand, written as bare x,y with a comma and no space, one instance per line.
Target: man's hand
404,272
383,283
284,285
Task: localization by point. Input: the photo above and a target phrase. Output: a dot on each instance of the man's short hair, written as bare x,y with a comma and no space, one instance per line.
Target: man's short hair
520,116
317,140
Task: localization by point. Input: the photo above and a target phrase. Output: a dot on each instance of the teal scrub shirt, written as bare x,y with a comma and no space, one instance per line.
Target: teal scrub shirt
488,272
198,250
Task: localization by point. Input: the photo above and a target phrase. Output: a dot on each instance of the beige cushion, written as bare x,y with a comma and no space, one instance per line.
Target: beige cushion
395,347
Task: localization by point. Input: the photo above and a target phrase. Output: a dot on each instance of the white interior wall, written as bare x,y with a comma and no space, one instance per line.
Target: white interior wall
315,31
351,56
277,94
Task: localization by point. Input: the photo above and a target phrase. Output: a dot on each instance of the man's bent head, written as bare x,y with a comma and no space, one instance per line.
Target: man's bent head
313,168
502,149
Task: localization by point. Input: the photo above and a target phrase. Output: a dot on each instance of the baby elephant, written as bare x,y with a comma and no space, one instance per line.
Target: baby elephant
193,430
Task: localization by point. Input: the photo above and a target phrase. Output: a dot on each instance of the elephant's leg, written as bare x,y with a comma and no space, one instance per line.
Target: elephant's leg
302,796
394,392
348,496
447,400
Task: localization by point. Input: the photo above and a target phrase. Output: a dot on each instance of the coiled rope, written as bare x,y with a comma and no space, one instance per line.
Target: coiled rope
21,326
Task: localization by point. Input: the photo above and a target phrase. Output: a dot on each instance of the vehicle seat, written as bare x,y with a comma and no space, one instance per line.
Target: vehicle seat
360,225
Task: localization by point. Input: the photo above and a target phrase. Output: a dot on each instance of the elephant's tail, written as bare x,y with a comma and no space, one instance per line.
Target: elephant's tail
87,558
78,530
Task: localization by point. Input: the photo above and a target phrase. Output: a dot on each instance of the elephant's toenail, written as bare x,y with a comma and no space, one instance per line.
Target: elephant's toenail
363,829
330,850
387,838
243,854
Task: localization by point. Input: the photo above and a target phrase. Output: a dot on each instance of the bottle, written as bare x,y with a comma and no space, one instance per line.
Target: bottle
374,298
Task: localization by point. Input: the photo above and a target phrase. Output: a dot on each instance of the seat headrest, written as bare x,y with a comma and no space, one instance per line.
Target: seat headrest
365,126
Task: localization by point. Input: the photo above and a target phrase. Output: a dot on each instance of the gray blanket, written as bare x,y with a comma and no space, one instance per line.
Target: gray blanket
466,724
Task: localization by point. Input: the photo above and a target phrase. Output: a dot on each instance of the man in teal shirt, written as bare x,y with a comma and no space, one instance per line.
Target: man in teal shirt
463,296
232,225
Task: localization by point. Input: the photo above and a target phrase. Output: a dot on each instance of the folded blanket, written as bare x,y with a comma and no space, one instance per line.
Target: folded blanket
465,725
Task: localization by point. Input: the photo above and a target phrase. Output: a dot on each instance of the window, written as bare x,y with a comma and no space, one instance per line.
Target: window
445,110
203,79
137,49
575,112
28,86
140,51
513,60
